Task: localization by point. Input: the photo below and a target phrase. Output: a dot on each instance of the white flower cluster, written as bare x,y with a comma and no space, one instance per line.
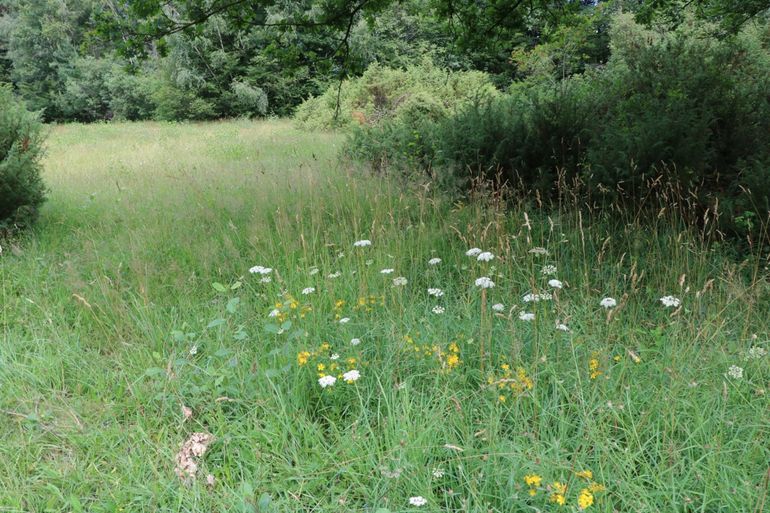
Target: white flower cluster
362,243
258,269
484,283
670,301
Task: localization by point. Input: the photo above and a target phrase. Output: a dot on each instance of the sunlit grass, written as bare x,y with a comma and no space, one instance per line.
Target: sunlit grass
133,299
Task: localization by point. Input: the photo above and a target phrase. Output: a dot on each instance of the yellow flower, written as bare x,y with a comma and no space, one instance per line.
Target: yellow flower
593,366
585,499
501,398
505,366
321,366
302,357
533,491
559,488
558,499
325,346
454,348
533,480
585,474
452,361
596,487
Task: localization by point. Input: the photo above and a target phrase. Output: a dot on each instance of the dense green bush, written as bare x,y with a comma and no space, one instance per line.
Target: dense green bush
21,187
405,95
682,106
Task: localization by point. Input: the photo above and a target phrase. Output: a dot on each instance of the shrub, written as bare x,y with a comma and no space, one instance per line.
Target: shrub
690,109
21,187
382,94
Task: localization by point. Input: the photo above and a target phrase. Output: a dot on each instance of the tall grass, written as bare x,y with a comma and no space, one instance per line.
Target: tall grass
133,301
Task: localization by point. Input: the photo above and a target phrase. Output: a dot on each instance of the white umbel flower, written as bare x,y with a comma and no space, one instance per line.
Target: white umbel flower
526,316
362,243
435,292
555,284
399,282
608,302
335,275
438,310
473,252
671,301
308,290
355,341
345,320
548,270
418,501
351,376
735,372
486,256
434,261
484,283
498,307
327,381
562,327
258,269
387,271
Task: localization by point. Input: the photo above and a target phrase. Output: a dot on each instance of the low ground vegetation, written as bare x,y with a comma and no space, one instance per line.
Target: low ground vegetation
220,317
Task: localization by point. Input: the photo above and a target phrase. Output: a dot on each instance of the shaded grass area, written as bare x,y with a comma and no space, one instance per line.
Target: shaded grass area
112,324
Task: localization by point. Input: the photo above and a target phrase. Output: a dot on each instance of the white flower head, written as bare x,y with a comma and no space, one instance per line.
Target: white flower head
334,275
555,284
434,261
526,316
399,281
473,252
387,271
435,292
351,376
327,381
670,301
735,372
334,356
258,269
265,279
562,327
438,309
486,256
438,473
274,313
484,283
608,302
345,320
355,341
362,243
193,350
418,501
498,307
535,298
308,290
756,352
548,270
313,271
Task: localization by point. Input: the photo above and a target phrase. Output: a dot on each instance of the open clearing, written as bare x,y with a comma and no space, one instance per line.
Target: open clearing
130,321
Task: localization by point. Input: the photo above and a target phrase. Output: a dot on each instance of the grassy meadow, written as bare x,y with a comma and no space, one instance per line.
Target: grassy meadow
130,321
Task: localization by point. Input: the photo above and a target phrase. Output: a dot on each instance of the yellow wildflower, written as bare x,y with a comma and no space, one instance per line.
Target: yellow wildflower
302,357
533,480
559,493
585,474
501,398
585,499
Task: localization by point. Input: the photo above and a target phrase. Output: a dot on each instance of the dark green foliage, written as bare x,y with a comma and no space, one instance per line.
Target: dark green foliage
680,106
21,187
